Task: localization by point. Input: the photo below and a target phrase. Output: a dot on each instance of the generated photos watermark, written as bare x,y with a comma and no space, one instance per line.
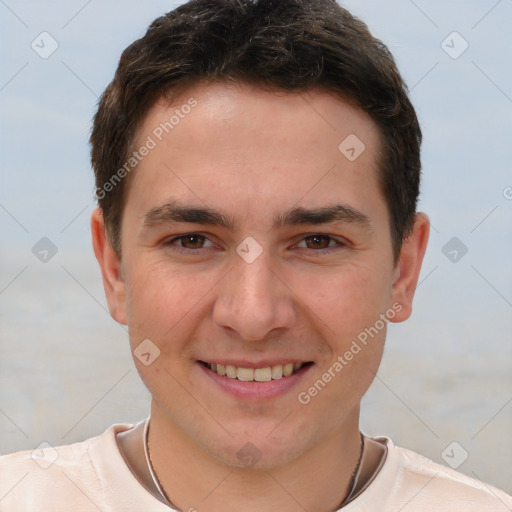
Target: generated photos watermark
361,341
149,144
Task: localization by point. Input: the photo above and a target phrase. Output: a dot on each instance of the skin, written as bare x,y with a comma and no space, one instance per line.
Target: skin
253,155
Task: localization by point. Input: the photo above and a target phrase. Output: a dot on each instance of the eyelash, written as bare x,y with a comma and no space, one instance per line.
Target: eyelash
339,244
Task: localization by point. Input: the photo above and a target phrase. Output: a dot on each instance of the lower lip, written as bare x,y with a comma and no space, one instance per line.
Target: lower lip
256,390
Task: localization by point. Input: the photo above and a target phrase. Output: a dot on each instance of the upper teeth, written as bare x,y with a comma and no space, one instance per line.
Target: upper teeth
255,374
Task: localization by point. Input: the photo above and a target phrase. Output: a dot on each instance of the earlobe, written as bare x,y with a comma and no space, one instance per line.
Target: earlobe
409,266
111,269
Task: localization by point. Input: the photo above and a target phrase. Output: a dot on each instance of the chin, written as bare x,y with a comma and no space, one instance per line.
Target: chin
260,451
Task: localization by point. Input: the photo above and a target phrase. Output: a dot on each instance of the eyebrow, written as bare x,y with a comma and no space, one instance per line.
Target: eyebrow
173,212
322,215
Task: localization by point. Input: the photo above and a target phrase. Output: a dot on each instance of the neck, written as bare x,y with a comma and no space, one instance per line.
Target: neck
192,478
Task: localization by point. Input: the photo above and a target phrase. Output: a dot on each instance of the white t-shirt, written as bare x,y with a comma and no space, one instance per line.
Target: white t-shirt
92,475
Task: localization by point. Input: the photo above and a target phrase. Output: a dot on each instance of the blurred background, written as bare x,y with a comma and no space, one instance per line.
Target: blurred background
445,385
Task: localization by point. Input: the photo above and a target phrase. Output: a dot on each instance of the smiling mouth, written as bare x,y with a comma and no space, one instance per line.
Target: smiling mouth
265,374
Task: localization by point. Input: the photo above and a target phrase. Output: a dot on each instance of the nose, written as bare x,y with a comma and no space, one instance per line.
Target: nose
253,301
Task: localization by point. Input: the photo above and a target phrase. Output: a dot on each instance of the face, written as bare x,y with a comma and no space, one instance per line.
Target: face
253,246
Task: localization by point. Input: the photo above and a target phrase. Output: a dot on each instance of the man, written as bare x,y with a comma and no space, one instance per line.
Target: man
257,170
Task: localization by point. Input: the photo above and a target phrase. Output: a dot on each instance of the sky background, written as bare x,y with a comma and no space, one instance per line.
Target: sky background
65,367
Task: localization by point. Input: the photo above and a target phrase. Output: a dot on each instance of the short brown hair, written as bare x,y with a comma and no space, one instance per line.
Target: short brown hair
288,45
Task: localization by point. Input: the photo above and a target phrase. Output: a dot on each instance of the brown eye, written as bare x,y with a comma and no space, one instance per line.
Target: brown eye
317,241
192,241
191,244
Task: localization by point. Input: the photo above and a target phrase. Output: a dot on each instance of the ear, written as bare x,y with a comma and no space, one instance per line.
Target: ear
111,270
409,265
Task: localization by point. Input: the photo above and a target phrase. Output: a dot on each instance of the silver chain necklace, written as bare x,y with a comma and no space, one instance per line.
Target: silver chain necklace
150,465
350,494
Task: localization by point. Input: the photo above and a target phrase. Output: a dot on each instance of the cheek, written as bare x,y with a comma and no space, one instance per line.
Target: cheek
347,301
158,299
168,305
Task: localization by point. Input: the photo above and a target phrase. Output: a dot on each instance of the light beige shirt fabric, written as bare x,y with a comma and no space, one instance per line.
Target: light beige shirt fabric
92,475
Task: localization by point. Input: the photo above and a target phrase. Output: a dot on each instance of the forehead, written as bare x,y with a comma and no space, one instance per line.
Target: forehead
250,147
